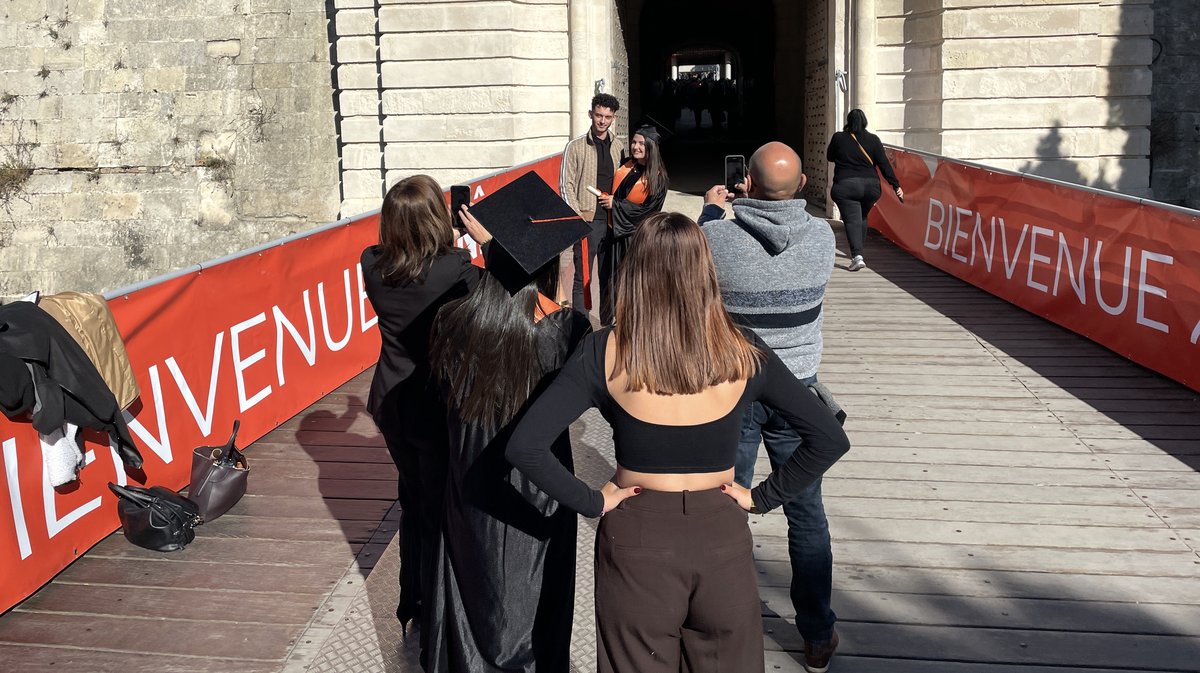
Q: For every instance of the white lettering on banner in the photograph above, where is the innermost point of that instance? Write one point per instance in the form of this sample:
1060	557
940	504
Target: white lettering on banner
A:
946	226
118	466
161	446
478	193
12	475
307	349
958	233
55	525
203	420
241	365
1145	288
1064	252
1034	258
1119	308
1196	333
931	224
1009	268
363	323
341	343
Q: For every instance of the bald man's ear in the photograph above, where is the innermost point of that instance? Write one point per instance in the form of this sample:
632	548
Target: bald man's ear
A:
803	181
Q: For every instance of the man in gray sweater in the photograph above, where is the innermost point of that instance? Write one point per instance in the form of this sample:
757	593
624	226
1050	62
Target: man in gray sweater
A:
773	262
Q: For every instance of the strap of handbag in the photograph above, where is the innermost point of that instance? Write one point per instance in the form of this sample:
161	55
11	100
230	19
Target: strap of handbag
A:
863	150
229	453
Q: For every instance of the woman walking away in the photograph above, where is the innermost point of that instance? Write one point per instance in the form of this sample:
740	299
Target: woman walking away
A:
676	587
409	275
638	191
505	584
856	154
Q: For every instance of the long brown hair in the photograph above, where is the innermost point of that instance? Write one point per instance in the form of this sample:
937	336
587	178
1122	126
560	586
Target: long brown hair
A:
673	334
414	229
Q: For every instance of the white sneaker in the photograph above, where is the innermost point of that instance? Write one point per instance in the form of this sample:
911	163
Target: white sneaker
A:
857	263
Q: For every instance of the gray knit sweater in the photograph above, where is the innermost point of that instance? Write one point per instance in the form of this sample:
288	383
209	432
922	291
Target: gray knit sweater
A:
773	262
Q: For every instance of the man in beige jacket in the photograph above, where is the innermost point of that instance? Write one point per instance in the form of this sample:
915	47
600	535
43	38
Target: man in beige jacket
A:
589	161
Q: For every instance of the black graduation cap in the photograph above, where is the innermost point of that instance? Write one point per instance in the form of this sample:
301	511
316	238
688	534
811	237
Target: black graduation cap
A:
531	225
652	129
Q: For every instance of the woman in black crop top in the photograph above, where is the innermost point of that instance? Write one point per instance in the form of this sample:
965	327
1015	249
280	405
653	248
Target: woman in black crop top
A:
674	571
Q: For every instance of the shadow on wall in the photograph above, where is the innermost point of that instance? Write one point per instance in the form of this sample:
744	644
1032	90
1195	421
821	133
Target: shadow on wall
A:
1057	162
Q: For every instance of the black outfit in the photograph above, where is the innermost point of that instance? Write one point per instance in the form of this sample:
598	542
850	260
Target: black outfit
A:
666	566
67	385
407	412
505	574
855	181
625	217
599	223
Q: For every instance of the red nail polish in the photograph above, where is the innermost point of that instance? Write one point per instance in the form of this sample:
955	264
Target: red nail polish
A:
637	489
722	487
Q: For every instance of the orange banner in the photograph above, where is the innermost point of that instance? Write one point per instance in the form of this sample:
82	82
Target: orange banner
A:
1124	273
257	338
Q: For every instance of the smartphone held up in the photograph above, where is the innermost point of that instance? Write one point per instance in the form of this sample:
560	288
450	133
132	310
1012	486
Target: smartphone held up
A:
735	171
460	195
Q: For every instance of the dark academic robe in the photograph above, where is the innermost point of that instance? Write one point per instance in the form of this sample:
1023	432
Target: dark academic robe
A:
505	581
632	203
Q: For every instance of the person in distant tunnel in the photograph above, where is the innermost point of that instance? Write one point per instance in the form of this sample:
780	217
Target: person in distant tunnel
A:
639	189
856	154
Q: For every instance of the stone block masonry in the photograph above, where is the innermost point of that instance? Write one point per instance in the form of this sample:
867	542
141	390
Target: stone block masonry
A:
1058	88
157	135
454	89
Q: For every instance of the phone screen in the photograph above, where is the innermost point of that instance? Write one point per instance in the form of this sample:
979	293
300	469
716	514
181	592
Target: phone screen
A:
735	170
460	195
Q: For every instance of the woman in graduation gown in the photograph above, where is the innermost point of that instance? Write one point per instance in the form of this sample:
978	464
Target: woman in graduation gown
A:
505	584
410	274
639	190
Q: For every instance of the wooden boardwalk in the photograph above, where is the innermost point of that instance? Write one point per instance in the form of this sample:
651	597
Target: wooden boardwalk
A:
1017	500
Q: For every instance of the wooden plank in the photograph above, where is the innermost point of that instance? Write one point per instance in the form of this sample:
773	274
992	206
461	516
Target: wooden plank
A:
256	642
986	534
322	438
239	551
41	659
319	453
979	492
308	469
1003	455
919	440
1032	559
790	662
354	489
1005	613
307	579
1010	646
234	526
967	427
1180	518
1179	447
966	474
331	509
174	603
1132	514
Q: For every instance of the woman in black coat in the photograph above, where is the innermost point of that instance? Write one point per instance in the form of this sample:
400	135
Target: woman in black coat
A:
856	154
409	275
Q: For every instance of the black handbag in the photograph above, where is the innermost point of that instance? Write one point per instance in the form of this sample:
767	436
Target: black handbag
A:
156	518
219	475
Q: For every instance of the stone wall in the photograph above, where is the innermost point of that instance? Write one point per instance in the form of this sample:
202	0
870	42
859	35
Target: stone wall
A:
1058	88
141	136
455	89
1175	119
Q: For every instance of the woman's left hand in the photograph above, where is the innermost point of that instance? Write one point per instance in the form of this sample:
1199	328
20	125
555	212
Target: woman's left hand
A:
605	200
474	228
741	494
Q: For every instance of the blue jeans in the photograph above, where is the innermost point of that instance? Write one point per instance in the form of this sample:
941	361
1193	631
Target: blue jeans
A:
808	529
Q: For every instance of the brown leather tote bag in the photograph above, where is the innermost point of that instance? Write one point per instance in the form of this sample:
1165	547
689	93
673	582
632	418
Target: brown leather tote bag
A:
219	475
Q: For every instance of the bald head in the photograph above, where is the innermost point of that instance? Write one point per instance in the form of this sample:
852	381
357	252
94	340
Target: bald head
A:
775	173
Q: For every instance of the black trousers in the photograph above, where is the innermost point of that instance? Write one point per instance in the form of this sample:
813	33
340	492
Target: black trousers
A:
676	589
594	237
854	198
413	423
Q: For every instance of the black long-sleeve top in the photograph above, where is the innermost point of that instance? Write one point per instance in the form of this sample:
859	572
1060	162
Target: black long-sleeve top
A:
672	449
850	162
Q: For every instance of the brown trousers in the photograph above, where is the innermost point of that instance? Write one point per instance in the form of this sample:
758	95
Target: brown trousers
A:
676	588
